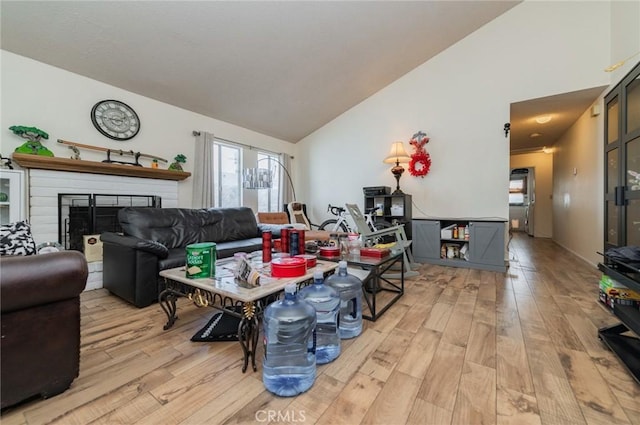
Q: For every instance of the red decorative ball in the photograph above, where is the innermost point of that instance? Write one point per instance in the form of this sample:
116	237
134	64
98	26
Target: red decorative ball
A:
420	164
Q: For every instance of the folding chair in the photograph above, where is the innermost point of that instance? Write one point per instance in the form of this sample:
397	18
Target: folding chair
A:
297	214
397	231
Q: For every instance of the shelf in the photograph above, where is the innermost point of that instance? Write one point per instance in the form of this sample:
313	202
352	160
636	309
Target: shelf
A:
630	280
625	347
402	201
454	240
454	260
629	315
94	167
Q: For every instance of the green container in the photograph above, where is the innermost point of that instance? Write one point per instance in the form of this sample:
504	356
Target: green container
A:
201	260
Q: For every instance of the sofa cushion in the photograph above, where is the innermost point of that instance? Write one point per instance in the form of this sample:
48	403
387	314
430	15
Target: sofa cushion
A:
16	239
276	229
179	227
178	256
227	249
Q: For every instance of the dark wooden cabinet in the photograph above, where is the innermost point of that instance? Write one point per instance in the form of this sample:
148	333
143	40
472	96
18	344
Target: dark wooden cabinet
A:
395	209
622	162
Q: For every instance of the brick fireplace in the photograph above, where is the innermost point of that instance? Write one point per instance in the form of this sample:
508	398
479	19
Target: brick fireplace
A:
45	186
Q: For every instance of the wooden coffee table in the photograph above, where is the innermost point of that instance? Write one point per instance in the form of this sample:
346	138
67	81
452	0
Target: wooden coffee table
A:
225	293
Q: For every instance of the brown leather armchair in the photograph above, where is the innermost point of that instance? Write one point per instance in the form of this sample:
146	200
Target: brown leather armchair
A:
40	321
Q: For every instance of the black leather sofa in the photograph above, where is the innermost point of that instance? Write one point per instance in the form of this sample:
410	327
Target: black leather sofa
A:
155	239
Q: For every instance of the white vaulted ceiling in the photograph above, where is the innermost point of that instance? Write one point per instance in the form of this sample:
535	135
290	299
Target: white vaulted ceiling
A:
283	69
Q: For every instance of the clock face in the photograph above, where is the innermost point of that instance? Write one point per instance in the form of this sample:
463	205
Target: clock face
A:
115	119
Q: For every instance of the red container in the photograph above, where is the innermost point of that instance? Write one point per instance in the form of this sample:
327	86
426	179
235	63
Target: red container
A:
266	246
329	251
310	259
374	252
288	267
284	240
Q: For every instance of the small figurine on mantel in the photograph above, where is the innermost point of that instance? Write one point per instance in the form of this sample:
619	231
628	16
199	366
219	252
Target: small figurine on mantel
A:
5	163
32	146
179	159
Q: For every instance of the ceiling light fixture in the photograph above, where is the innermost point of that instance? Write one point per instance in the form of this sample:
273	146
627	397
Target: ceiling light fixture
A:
534	135
547	150
615	66
543	119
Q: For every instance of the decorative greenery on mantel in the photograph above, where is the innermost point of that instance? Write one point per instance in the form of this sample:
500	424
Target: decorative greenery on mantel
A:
94	167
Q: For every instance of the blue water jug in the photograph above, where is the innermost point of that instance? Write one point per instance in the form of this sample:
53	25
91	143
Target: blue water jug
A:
326	302
289	365
350	289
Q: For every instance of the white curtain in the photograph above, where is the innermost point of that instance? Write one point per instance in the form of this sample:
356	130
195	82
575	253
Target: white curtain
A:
203	171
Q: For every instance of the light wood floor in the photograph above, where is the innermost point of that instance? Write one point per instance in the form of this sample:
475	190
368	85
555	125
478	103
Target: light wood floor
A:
461	347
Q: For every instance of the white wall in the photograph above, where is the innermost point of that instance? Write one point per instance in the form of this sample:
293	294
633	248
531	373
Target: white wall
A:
461	99
578	206
625	36
542	213
59	102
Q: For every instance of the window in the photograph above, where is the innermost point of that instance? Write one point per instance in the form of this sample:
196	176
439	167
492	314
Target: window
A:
269	199
227	175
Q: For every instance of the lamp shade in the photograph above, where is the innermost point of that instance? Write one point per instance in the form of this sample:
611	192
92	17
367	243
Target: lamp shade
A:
397	154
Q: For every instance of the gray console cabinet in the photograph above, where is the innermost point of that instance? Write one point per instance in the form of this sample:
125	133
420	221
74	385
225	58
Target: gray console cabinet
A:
486	243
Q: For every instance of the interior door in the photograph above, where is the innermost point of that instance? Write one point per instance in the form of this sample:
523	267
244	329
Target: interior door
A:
531	202
522	199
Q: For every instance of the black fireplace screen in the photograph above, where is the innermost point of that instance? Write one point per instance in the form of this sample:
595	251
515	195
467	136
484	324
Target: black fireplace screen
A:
81	214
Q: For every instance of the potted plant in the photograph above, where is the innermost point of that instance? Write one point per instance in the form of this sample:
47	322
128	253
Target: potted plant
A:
179	159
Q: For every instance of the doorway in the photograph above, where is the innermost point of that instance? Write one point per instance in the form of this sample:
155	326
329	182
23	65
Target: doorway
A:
522	198
537	128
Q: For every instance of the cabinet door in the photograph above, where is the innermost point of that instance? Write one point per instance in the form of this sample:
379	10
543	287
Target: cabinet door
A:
631	143
622	163
426	239
11	196
486	242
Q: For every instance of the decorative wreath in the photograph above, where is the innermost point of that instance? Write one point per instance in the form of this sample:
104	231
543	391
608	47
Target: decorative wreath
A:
420	160
420	164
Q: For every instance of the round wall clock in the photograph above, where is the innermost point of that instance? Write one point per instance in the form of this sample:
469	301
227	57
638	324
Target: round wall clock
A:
115	119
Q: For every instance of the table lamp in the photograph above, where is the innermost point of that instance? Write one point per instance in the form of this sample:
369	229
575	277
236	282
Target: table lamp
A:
397	155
